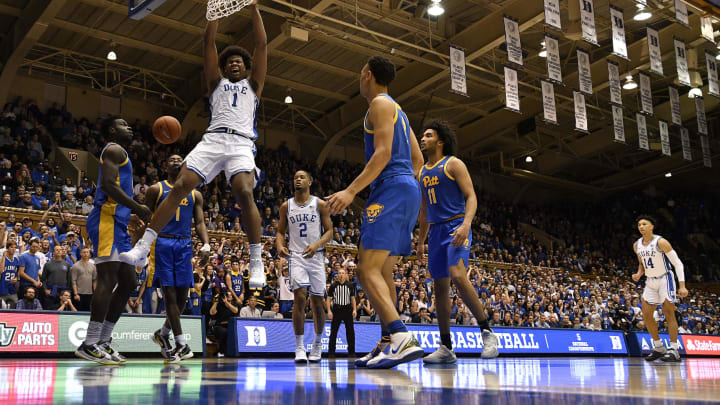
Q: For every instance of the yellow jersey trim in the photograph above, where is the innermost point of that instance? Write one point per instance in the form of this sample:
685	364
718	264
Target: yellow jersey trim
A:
445	169
436	163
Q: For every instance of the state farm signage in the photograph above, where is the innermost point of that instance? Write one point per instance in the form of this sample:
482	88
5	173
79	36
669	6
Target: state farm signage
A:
701	344
22	333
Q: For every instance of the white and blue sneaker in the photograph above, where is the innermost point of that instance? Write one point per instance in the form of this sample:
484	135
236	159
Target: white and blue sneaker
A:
363	361
137	256
257	274
403	348
490	343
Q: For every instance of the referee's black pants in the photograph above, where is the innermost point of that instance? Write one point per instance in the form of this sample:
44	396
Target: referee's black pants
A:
342	313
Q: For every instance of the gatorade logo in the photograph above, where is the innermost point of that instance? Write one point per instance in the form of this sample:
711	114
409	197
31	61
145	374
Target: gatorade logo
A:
256	336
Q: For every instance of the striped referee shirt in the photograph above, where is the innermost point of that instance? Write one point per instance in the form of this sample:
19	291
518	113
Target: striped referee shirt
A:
341	293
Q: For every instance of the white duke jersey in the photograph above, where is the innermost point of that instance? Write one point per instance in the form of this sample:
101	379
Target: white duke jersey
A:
304	224
653	258
234	106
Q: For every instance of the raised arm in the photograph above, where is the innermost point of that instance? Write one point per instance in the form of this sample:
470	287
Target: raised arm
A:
259	63
210	56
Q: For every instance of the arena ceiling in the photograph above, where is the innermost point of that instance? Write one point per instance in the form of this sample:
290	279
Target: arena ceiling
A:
159	58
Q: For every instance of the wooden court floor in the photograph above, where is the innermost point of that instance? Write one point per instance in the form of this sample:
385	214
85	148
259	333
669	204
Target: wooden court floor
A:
277	381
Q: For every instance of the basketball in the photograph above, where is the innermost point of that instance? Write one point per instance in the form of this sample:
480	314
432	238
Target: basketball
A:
166	129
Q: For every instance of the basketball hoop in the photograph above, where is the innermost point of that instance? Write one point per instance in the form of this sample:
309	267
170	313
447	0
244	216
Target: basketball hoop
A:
217	9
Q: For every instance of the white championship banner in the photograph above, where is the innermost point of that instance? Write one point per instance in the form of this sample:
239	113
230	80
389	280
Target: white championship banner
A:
581	123
512	92
584	77
664	138
646	103
705	144
618	123
618	32
681	62
681	13
653	38
711	64
552	14
512	41
643	140
549	108
701	119
587	21
685	141
554	64
706	29
614	83
458	79
675	106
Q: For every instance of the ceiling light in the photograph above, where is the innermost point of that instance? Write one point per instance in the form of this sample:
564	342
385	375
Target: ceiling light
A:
718	56
642	15
288	99
543	51
629	83
528	159
435	10
112	55
695	92
668	174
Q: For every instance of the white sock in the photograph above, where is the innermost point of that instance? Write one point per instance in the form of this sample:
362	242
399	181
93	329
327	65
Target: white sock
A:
299	340
659	345
180	340
149	236
255	251
318	339
92	335
165	331
106	333
674	345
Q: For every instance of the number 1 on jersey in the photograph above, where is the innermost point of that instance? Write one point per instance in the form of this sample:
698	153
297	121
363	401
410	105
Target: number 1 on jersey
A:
234	100
431	196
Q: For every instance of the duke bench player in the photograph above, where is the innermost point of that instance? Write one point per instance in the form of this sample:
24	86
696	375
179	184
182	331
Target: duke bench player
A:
656	261
304	217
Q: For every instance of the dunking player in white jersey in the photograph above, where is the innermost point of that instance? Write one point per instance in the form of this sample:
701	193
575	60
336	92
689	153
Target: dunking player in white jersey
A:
306	219
657	259
227	144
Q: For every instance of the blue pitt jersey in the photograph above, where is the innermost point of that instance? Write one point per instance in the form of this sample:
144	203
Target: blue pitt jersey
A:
181	222
401	158
443	198
103	202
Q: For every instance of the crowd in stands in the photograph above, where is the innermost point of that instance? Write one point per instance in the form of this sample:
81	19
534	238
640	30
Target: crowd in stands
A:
580	280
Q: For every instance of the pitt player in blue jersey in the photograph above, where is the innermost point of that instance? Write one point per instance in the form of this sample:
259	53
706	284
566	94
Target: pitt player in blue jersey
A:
448	208
393	157
170	259
107	226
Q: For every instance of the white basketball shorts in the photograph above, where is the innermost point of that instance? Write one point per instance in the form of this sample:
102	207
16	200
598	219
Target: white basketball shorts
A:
218	152
308	273
659	289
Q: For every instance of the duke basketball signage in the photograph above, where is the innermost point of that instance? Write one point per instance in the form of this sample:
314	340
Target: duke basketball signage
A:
277	336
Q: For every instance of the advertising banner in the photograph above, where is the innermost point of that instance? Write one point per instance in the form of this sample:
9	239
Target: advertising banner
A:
703	345
642	343
64	332
277	336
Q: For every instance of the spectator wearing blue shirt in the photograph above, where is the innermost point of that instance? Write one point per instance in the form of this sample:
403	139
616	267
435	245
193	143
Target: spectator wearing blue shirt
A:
39	175
29	302
38	197
29	269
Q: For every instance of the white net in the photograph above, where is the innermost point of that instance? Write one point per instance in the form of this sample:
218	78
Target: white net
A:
217	9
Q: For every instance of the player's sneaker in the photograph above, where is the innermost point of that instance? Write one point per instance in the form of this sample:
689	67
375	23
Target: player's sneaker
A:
179	354
114	354
442	355
655	354
490	343
362	361
300	354
164	343
403	348
94	353
257	273
315	353
672	356
137	256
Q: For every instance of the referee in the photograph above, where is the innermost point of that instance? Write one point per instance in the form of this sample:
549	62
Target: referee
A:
341	301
